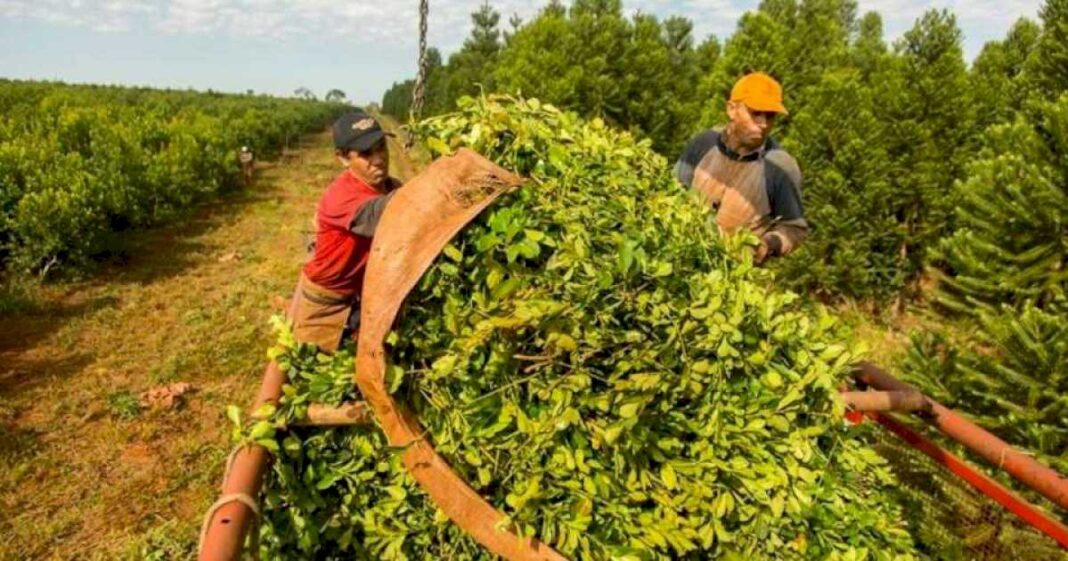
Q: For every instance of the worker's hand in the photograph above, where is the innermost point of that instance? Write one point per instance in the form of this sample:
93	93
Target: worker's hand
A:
761	253
770	246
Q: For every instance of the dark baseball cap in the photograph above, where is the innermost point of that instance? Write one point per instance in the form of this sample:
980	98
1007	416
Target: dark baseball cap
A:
357	131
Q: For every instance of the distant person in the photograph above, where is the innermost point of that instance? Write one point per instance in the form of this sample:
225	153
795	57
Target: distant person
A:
248	165
328	306
743	173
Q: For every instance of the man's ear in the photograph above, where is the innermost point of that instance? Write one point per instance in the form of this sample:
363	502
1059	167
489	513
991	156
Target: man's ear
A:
341	157
732	110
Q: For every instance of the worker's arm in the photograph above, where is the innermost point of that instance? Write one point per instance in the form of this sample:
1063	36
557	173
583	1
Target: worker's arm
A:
789	228
365	220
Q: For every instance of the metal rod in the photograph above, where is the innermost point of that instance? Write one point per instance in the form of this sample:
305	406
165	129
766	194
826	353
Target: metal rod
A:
224	537
1015	504
320	415
886	401
1024	468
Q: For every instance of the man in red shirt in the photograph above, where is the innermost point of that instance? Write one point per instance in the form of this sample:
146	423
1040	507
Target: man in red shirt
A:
327	307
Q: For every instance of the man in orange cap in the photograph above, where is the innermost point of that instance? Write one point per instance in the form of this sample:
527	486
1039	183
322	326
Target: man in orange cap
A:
743	173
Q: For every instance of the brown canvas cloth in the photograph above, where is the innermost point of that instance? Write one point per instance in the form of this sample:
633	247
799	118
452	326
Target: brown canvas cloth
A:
422	217
319	315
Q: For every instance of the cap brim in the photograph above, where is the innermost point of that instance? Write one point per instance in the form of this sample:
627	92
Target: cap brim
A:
772	107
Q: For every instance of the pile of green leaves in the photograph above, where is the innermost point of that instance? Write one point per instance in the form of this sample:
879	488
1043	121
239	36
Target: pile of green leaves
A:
596	362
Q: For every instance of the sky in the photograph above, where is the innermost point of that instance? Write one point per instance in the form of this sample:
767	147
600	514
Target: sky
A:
360	47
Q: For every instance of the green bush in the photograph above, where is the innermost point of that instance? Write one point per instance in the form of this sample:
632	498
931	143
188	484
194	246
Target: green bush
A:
80	163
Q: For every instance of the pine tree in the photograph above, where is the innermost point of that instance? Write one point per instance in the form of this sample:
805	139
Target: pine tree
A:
819	41
1012	245
647	70
636	74
537	61
1003	271
869	48
996	78
1047	65
472	66
397	99
852	251
923	98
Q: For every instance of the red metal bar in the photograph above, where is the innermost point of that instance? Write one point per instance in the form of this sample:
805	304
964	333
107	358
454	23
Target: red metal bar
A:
885	401
225	536
1025	469
1027	512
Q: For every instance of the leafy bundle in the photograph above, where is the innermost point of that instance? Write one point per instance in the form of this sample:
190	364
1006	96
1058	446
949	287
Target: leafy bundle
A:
594	360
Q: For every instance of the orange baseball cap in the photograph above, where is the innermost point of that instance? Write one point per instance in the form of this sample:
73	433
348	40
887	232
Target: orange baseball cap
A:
759	92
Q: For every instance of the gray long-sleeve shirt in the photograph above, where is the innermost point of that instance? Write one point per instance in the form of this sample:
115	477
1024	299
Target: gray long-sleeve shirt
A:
760	190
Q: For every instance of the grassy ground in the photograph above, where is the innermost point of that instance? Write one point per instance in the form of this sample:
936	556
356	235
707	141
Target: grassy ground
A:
85	473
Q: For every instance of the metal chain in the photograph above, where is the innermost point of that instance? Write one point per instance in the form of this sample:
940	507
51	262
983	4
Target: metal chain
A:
419	92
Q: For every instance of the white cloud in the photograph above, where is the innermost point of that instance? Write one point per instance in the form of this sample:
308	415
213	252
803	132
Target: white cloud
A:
972	15
109	15
717	17
394	23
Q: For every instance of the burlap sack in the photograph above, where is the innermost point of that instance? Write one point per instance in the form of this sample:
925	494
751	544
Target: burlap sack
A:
420	220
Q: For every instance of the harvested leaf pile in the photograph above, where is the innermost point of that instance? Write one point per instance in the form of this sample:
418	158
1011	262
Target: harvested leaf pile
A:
603	368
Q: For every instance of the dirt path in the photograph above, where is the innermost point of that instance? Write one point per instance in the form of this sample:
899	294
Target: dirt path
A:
86	474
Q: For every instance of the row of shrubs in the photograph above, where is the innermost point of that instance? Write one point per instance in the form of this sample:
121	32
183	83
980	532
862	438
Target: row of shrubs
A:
80	165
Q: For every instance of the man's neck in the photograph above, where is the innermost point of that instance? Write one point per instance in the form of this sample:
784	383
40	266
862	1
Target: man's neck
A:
731	141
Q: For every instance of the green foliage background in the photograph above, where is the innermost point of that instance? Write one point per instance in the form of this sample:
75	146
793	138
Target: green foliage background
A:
881	132
79	165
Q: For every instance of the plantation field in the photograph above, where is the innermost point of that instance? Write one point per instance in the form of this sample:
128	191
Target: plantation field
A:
84	472
82	166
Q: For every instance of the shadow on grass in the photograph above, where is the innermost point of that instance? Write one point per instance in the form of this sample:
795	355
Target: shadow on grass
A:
146	256
16	444
29	325
23	375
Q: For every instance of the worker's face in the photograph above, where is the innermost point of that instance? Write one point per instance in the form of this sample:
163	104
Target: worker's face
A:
749	127
373	165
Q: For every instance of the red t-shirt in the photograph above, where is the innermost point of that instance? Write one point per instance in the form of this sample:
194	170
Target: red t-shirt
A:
340	255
